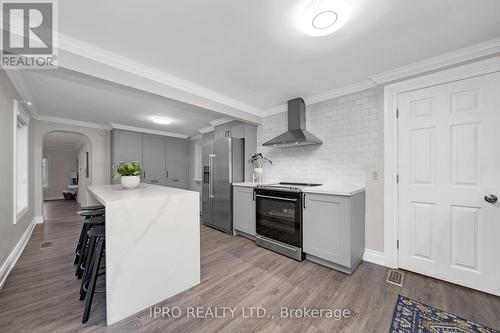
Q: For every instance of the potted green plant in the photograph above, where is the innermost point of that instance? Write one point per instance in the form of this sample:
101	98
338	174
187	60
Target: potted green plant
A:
258	161
129	173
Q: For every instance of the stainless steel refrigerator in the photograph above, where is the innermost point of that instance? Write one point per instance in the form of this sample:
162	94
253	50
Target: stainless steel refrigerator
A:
223	164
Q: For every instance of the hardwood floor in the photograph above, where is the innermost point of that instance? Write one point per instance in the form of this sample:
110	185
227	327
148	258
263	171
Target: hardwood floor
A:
41	293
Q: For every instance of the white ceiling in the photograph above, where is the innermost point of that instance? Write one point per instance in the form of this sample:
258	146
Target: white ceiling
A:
66	94
63	141
253	51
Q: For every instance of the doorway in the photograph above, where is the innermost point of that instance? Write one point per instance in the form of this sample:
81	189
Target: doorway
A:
65	167
448	162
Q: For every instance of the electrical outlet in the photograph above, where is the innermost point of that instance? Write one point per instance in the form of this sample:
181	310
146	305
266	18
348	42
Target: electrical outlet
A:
374	175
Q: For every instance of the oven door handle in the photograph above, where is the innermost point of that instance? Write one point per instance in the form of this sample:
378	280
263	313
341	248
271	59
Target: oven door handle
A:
277	198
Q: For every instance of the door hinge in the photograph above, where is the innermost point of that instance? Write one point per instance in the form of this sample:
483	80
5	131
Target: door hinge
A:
397	179
397	244
397	113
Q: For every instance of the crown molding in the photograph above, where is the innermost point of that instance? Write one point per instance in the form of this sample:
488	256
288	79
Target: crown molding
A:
148	131
112	59
220	121
72	122
206	129
342	91
196	137
477	51
22	90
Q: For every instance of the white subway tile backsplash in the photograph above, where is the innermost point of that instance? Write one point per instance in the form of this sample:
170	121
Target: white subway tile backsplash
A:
349	128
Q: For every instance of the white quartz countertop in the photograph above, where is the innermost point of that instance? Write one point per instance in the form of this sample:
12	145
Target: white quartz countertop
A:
109	193
246	184
344	189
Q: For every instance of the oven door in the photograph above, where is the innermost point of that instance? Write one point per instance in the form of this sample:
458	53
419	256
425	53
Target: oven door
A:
279	216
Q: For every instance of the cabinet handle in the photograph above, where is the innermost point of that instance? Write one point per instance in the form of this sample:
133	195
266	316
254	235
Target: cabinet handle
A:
304	201
167	173
253	195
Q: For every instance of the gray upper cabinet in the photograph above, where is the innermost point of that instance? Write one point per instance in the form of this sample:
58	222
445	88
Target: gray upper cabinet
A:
153	156
333	229
128	146
244	210
125	146
164	159
238	129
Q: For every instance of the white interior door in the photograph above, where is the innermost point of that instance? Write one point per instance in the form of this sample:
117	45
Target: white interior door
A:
448	161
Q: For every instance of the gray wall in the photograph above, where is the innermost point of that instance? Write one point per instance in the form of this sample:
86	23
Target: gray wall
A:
99	155
11	233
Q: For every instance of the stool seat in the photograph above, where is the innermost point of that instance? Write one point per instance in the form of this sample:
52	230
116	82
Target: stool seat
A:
90	213
97	231
97	207
96	220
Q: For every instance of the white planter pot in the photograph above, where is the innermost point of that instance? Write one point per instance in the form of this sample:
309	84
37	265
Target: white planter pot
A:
258	175
130	182
258	172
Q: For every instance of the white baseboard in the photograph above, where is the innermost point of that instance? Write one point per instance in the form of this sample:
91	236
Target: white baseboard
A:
374	257
38	219
16	252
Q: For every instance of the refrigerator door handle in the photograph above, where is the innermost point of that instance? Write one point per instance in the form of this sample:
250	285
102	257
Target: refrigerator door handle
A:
211	158
230	162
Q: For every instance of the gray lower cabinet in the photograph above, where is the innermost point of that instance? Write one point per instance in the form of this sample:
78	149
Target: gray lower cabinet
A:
244	211
334	230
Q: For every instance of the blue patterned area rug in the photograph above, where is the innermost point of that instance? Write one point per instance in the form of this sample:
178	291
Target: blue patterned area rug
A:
413	317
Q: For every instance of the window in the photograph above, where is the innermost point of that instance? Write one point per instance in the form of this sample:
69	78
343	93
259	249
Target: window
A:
21	167
45	172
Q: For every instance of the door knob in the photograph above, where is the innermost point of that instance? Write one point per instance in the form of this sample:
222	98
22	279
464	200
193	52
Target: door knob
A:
491	198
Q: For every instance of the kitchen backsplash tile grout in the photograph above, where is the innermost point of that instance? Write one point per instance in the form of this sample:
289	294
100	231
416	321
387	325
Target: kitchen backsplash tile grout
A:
349	128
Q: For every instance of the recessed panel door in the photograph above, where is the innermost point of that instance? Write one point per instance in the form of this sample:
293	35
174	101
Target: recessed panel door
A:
449	177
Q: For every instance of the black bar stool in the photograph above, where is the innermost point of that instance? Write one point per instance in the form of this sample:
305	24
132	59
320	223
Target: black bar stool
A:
86	212
82	256
97	236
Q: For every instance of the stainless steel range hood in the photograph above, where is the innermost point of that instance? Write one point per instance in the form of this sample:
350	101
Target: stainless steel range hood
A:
297	135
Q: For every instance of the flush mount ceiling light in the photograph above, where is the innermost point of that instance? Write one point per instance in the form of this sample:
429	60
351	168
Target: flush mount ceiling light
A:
162	121
323	17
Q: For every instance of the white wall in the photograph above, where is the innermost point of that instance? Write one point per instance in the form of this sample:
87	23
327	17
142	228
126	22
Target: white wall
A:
351	129
62	162
11	234
100	155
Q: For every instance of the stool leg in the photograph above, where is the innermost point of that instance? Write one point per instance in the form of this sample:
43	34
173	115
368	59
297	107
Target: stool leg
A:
83	251
79	244
93	280
88	266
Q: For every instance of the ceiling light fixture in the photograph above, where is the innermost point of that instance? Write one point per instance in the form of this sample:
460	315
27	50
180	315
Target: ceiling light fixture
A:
323	17
162	121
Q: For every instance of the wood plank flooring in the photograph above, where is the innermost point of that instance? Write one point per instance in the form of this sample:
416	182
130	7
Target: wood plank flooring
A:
41	293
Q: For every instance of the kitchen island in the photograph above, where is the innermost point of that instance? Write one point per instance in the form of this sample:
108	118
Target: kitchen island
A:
152	245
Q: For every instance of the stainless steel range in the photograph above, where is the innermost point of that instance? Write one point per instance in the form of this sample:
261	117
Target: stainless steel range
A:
279	217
